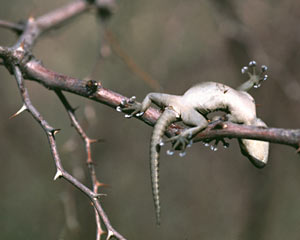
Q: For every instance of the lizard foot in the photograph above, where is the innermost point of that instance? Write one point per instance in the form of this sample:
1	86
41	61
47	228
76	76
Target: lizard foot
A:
214	147
255	77
180	142
130	105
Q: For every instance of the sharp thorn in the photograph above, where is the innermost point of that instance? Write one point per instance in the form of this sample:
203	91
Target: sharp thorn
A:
109	234
55	131
96	140
100	184
58	174
52	132
22	109
98	195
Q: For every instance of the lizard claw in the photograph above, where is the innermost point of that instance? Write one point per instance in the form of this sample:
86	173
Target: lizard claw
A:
214	147
130	105
181	141
254	76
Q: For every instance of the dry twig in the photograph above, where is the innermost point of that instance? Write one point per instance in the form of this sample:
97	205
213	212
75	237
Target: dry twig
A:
88	141
20	61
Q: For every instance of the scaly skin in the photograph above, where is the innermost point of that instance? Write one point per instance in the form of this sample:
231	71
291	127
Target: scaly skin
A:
192	108
165	119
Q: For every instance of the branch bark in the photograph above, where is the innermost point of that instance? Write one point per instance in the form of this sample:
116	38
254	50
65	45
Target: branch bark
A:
34	70
50	79
20	61
16	59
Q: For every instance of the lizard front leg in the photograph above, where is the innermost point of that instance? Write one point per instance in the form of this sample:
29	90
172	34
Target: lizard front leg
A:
138	109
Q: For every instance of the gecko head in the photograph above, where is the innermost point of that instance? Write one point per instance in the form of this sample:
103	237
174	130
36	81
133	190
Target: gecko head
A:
256	151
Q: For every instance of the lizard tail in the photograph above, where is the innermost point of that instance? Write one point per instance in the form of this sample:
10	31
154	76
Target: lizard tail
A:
165	119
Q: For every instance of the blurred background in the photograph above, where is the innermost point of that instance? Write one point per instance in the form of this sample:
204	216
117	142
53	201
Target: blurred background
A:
176	44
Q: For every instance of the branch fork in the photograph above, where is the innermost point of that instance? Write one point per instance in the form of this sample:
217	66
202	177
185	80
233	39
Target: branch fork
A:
23	65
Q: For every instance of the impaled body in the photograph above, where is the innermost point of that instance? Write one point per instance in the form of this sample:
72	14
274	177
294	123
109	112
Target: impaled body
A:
192	109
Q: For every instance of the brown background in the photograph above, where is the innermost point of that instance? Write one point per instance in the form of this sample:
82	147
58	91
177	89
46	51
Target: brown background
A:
206	195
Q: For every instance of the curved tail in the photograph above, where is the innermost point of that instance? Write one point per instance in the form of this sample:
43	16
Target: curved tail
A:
165	119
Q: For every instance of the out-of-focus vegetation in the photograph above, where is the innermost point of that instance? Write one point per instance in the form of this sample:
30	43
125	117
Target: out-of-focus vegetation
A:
205	195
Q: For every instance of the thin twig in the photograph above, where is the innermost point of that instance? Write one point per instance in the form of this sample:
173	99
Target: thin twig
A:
62	14
18	28
90	163
130	63
60	172
35	27
18	55
20	61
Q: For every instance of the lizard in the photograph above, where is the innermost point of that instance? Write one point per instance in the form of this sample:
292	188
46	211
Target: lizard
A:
192	109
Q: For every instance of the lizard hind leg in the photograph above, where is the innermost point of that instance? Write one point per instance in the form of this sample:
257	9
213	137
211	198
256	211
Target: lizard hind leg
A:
255	78
191	118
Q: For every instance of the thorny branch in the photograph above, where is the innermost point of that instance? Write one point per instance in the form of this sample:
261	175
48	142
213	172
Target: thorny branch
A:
35	71
60	172
15	59
20	61
96	184
12	26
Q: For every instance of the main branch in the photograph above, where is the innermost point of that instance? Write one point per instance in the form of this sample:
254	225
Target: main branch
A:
34	70
20	62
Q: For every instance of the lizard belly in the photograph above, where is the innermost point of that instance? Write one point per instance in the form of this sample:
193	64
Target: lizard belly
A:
210	96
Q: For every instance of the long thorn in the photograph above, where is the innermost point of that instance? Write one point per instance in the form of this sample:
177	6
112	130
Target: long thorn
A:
22	109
